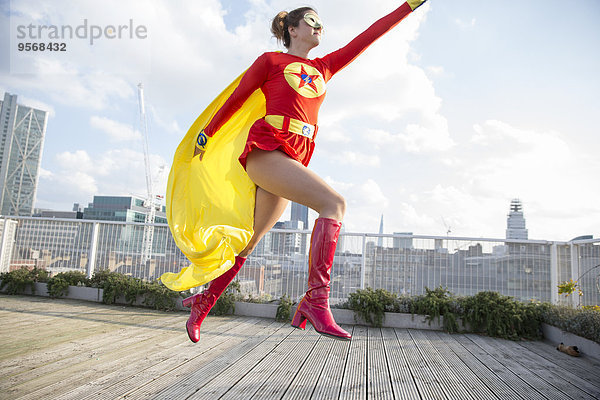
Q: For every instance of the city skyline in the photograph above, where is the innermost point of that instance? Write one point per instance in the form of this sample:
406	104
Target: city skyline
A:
440	123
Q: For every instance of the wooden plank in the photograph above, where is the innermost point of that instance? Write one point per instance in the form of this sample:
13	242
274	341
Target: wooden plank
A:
307	378
258	377
215	379
426	381
547	389
402	381
70	312
74	375
329	383
584	367
451	383
503	373
569	383
484	369
286	367
188	371
54	368
354	383
168	360
470	381
379	382
31	365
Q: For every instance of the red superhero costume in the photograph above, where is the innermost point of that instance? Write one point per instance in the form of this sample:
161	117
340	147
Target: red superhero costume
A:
294	90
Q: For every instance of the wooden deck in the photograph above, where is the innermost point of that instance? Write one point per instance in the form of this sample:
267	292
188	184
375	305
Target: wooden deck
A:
63	349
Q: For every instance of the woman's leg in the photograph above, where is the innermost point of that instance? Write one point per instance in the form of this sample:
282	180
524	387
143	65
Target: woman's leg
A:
277	173
267	211
284	177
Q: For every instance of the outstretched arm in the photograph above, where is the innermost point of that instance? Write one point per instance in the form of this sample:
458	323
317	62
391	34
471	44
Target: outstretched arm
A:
252	80
339	59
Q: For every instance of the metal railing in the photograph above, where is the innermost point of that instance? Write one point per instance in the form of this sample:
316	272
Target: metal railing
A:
402	264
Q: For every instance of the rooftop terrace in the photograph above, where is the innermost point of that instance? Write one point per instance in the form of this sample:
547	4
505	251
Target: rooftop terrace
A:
65	349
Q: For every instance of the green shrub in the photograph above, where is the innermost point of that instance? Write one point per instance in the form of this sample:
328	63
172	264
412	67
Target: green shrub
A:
100	277
58	285
225	305
154	294
486	312
39	275
284	309
371	304
438	303
502	316
18	280
160	297
584	322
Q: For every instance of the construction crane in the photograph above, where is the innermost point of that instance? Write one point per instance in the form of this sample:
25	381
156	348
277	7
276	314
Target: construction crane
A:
150	203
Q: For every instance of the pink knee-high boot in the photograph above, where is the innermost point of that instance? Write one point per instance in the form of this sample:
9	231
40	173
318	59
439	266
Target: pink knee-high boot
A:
314	306
201	303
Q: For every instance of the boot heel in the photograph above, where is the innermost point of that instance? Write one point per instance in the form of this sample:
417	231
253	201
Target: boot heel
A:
299	320
189	301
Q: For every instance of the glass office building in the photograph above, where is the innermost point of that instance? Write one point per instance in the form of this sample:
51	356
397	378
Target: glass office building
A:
22	131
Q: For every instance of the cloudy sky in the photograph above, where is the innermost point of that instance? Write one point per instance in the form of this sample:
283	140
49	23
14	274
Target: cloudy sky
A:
463	107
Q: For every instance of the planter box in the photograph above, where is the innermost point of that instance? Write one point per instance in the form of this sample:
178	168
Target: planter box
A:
75	292
391	320
588	348
84	293
41	289
255	309
343	316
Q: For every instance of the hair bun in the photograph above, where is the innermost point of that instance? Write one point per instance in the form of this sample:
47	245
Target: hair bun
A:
282	17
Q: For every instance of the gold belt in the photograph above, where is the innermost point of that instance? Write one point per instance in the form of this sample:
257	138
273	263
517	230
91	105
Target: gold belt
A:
291	125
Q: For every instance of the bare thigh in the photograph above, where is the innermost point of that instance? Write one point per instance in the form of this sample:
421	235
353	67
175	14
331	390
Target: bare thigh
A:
280	175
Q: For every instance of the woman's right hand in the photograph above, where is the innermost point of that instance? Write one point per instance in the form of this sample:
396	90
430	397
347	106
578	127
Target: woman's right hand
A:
414	4
201	142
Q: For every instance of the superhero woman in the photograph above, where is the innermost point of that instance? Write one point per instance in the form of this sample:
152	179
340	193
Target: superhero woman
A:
278	149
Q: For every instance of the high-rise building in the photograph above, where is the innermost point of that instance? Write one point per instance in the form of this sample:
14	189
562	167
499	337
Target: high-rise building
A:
288	243
515	224
401	242
300	213
22	131
380	240
121	208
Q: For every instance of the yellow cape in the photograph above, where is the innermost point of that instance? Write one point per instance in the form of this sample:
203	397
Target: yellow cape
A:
210	202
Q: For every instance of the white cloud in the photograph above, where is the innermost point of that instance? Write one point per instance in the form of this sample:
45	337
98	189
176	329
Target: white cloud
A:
77	160
116	131
355	158
365	200
503	161
465	25
116	172
430	136
436	70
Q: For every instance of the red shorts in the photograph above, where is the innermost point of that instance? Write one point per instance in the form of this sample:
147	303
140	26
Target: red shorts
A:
265	137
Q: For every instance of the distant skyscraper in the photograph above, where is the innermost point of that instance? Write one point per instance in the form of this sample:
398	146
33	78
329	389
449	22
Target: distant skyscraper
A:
403	242
300	213
22	131
121	208
515	224
380	240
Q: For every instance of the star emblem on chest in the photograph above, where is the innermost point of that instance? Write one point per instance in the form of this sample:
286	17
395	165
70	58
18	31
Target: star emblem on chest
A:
307	79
